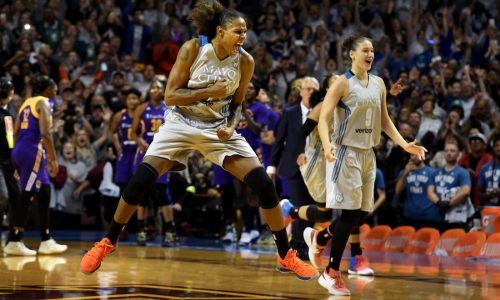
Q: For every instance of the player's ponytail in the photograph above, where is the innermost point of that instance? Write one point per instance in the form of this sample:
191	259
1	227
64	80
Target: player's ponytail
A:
207	15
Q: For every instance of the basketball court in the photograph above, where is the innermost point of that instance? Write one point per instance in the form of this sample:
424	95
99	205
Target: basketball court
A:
208	269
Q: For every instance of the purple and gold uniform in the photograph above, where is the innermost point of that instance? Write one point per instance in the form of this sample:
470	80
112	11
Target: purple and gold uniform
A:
271	123
125	162
28	154
151	120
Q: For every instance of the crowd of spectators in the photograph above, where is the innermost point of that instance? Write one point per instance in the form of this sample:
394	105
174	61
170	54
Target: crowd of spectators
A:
447	54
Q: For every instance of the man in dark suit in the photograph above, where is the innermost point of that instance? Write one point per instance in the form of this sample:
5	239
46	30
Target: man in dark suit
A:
284	156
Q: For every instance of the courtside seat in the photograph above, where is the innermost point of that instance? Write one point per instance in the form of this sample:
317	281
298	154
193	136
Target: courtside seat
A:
423	241
376	237
469	244
491	248
398	238
447	240
364	230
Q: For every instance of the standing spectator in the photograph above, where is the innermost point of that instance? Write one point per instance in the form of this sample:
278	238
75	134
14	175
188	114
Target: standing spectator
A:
137	35
164	53
148	77
412	185
64	201
50	28
429	125
474	160
488	181
449	190
281	77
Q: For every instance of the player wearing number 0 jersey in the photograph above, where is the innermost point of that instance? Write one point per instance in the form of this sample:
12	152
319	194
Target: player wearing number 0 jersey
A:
358	106
356	130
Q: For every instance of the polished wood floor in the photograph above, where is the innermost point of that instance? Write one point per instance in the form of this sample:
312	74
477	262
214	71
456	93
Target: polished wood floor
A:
206	269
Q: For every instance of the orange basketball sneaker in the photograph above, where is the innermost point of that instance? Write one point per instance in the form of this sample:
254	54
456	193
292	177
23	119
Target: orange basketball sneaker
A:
91	261
291	263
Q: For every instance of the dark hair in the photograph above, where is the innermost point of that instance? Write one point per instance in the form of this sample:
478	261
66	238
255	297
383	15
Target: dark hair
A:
207	15
495	139
316	97
352	42
39	83
5	87
133	91
326	81
156	80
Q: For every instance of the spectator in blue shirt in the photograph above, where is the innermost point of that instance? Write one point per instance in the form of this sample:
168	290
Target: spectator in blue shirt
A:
418	210
450	189
488	181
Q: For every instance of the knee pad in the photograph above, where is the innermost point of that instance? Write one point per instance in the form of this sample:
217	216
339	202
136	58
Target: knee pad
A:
139	184
316	215
263	186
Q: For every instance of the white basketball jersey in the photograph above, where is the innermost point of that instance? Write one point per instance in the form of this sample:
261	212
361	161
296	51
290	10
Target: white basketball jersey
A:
205	71
357	117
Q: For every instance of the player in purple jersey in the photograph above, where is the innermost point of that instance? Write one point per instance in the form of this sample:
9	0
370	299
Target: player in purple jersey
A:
33	140
147	120
252	123
125	145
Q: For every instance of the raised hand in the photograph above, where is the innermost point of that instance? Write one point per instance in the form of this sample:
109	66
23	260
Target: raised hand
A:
397	87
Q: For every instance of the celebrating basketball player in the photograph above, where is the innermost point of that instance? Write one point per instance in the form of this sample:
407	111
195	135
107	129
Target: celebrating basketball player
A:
359	102
206	88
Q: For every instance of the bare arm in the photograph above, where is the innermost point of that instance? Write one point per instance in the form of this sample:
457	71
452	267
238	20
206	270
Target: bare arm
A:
247	66
332	98
105	136
114	131
380	200
401	184
136	122
17	125
431	194
43	109
314	114
391	130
